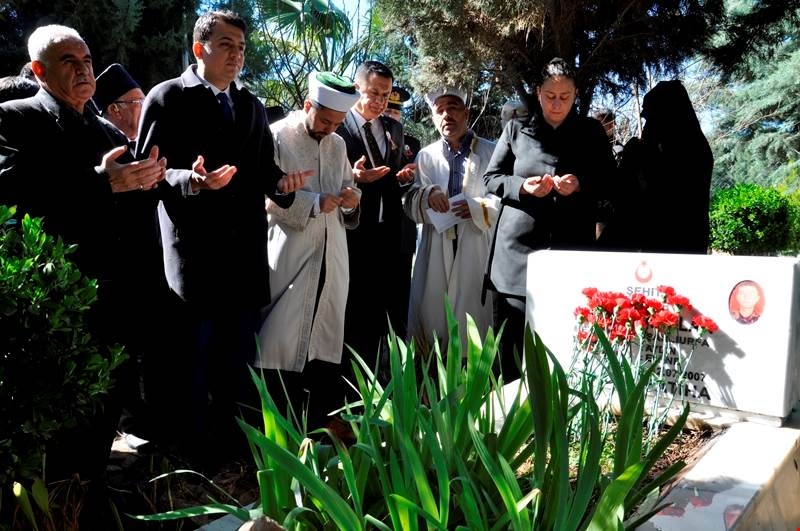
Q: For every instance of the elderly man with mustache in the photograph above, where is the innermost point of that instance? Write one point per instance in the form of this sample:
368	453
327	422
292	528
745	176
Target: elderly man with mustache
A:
60	161
450	261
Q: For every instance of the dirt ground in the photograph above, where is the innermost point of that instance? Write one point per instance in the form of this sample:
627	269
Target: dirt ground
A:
134	488
690	446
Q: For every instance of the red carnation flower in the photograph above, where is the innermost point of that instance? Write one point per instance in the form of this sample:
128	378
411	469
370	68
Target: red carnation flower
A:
664	319
705	323
680	301
666	290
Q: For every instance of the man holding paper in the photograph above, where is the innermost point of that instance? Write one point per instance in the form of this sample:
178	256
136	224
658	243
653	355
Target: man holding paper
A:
449	198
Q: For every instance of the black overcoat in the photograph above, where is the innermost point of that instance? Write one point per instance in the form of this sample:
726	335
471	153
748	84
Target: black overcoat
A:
214	242
526	223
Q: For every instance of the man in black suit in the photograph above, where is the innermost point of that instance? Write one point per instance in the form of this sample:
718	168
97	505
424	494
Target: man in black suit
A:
408	236
214	227
374	247
60	161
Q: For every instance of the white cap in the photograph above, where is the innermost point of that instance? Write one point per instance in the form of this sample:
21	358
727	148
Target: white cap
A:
332	91
434	95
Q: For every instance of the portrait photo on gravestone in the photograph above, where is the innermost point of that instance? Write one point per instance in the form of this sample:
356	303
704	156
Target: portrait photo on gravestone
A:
746	302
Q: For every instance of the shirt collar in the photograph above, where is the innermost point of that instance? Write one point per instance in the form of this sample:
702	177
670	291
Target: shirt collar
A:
360	120
378	130
205	83
464	147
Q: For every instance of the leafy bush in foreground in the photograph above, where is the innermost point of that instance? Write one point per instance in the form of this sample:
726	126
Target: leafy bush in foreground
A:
52	372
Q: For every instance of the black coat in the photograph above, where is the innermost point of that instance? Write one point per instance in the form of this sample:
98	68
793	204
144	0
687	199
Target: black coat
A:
664	179
215	252
48	167
49	158
526	223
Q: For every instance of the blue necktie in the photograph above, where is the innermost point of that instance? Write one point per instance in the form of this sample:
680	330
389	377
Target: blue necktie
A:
225	105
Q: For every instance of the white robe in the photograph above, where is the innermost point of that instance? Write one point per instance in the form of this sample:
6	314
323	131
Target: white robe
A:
439	271
298	243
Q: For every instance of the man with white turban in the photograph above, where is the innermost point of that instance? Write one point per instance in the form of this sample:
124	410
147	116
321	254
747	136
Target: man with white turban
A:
307	249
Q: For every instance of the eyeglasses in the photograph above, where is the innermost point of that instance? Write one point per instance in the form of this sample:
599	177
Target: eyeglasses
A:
137	101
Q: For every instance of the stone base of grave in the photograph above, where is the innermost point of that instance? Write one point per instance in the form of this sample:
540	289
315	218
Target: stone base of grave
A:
749	479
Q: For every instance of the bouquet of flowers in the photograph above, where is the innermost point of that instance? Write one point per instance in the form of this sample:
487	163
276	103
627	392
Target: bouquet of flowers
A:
643	331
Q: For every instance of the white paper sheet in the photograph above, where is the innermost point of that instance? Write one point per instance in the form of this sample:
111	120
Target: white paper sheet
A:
444	220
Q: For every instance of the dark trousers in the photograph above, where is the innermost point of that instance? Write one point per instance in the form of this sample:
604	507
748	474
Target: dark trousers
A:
134	313
226	346
315	392
84	448
509	309
372	306
209	380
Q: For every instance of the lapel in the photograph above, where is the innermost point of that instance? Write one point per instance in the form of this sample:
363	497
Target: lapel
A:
352	137
242	110
52	106
392	138
98	127
351	125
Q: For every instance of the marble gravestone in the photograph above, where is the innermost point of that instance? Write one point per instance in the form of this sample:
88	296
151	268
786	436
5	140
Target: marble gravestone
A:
750	368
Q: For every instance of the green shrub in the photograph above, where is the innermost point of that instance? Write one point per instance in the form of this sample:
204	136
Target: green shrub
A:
52	372
748	219
793	247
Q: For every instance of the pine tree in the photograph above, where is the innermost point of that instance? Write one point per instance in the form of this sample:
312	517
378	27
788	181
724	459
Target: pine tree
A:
757	137
753	31
757	110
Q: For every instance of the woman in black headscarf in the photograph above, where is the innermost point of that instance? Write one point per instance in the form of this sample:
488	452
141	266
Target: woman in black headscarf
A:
665	179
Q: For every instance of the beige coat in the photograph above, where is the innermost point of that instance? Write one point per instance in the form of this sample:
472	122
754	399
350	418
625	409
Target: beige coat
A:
438	271
304	322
